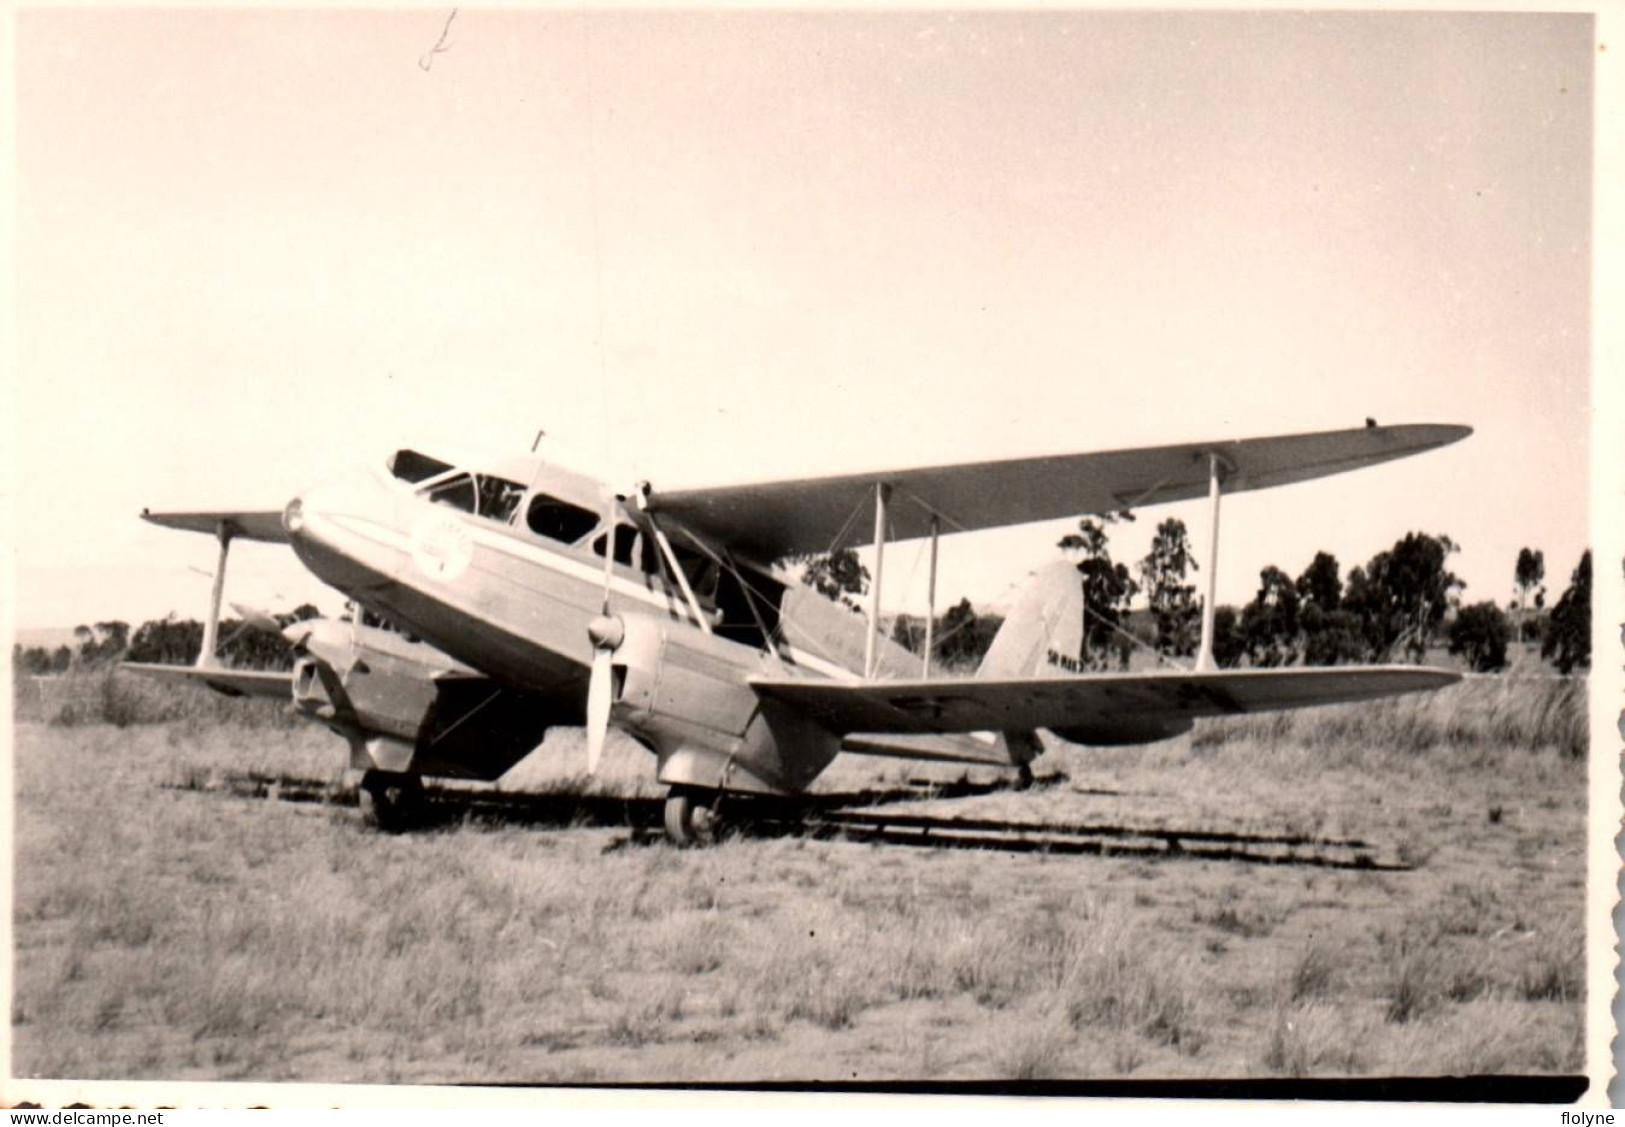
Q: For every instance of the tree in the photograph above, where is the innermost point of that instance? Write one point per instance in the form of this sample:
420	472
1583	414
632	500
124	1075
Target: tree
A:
1528	576
1173	601
1330	635
166	641
1229	644
1480	633
955	635
1402	594
1269	624
836	575
1107	590
1568	634
1320	585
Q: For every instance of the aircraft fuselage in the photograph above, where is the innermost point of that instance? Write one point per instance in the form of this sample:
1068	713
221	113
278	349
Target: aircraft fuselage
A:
516	607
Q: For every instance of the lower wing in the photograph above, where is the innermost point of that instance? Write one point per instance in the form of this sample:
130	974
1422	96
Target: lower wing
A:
232	682
1100	707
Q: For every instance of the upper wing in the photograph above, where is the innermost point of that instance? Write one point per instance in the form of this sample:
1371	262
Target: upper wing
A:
774	519
265	526
232	682
1117	705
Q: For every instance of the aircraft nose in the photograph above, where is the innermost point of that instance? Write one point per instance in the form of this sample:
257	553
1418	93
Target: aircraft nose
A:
344	531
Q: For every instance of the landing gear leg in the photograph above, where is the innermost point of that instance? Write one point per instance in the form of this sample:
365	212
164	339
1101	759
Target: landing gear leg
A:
392	801
691	816
1024	777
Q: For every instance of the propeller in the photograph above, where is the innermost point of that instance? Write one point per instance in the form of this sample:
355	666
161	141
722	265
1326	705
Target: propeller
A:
257	618
606	632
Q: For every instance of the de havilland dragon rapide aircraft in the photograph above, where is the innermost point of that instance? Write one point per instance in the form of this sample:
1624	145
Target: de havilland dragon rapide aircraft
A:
526	595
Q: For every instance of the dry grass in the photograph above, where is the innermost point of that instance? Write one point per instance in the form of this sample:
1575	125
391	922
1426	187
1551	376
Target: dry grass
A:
176	934
103	695
1477	717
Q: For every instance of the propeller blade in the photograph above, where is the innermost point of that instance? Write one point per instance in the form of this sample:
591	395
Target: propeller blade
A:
605	633
258	619
598	703
609	548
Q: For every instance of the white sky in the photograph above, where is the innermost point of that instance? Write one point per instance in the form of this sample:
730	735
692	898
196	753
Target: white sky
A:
254	248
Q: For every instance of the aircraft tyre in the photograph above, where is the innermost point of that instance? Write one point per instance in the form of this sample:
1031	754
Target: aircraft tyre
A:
392	801
1024	777
691	817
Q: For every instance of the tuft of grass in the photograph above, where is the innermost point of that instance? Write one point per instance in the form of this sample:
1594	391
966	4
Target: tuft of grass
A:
1414	984
1115	979
1033	1050
647	1022
1313	974
1312	1040
1236	921
1556	972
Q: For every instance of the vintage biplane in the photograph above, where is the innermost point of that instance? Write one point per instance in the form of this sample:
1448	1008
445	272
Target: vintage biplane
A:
525	595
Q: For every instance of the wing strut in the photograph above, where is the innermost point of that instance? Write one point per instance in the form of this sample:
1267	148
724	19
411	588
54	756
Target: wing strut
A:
1217	467
694	608
206	658
882	495
931	601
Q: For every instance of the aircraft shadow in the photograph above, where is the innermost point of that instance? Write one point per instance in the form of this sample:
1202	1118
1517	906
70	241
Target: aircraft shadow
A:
858	816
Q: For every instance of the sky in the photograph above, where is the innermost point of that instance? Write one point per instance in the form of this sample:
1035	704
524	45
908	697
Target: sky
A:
255	249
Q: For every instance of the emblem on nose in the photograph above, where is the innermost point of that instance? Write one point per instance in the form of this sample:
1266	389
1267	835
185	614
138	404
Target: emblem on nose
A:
441	546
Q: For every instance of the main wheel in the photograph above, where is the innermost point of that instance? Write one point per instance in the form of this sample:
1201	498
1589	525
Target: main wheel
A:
691	817
392	801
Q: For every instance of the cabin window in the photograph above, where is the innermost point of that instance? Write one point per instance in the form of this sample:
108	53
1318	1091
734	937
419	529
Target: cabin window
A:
456	491
409	465
499	498
626	543
559	520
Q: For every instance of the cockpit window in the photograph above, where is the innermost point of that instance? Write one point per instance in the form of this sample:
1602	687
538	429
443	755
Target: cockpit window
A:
495	498
409	465
499	498
559	520
456	491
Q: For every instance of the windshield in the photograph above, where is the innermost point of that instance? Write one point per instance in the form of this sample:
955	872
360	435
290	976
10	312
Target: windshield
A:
485	495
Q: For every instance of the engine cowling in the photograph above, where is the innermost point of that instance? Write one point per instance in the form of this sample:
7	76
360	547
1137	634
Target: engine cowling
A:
689	701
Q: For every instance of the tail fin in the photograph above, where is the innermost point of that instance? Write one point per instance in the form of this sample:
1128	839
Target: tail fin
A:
1044	631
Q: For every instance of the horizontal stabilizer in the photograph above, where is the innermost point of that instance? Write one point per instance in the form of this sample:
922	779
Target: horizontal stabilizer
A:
266	526
232	682
934	749
1152	702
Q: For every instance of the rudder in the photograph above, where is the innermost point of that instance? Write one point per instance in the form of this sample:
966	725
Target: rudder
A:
1044	630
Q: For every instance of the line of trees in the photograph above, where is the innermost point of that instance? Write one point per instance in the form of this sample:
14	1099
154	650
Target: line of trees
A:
1403	601
168	641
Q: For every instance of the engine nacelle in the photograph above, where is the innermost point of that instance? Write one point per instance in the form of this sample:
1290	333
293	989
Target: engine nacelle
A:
690	703
405	706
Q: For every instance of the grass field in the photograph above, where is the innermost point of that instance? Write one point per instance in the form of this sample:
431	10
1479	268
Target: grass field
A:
167	930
